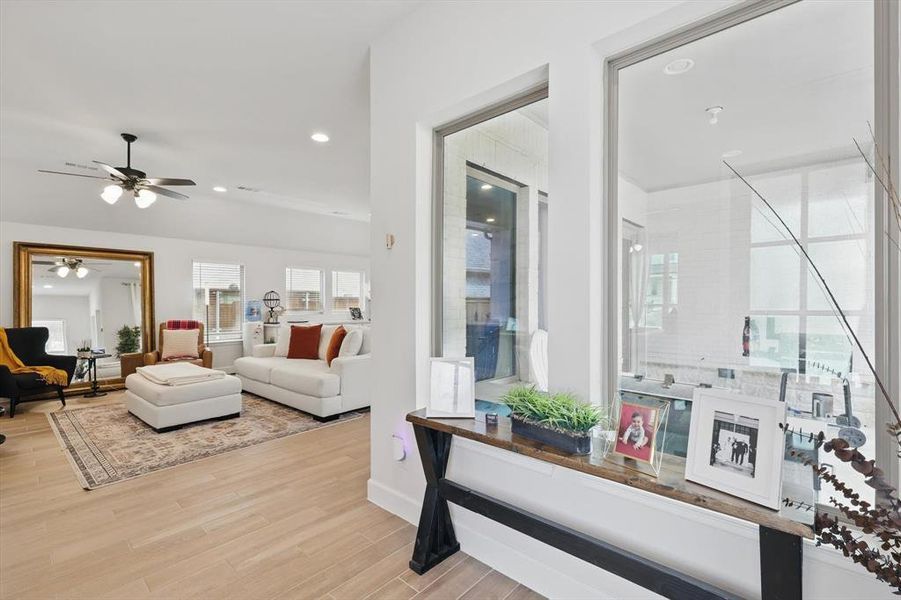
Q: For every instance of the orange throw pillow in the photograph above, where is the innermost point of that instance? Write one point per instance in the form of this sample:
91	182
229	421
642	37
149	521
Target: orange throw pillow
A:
304	341
334	345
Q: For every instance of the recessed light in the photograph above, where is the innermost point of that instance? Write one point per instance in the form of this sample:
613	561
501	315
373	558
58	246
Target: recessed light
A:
679	66
47	286
487	186
489	220
731	153
137	264
219	188
319	137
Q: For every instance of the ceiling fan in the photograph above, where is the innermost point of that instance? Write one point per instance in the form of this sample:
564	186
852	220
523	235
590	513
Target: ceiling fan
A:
65	265
145	190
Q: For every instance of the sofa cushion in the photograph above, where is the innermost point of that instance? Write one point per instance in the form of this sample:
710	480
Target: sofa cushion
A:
327	332
352	343
258	369
283	339
179	343
334	345
310	377
304	341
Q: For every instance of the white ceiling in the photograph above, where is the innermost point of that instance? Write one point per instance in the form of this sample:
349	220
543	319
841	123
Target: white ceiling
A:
225	94
796	85
72	285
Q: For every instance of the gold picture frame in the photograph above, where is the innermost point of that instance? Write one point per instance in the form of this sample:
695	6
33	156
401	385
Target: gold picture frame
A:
23	254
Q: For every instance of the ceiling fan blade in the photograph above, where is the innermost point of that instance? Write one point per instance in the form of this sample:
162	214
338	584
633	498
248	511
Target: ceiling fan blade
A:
73	174
111	170
168	181
164	192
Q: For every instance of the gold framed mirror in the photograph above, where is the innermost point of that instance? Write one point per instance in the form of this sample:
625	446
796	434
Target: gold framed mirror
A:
99	299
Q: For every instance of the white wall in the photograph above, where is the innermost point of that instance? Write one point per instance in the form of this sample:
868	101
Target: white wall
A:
72	309
421	77
264	267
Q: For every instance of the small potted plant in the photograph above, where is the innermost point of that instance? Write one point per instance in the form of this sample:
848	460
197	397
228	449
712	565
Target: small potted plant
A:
560	420
84	349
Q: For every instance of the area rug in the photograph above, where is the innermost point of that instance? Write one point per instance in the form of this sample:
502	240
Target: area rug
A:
107	444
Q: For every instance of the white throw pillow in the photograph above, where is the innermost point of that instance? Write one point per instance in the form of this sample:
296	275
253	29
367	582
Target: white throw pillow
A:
179	343
283	340
324	338
352	343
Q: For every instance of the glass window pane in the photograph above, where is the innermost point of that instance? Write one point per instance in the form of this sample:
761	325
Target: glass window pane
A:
775	278
847	268
219	299
347	289
495	246
303	290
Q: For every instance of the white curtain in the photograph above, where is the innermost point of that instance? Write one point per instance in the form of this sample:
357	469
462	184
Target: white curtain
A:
638	286
134	291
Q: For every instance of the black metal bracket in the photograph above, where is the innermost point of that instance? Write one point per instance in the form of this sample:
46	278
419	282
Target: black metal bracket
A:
780	553
781	559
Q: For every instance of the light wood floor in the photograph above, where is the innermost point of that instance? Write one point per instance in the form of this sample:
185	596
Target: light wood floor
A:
283	519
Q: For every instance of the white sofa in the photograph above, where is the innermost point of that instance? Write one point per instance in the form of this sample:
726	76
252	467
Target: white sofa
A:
309	385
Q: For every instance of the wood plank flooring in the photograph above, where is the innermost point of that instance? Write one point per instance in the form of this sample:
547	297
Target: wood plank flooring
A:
283	519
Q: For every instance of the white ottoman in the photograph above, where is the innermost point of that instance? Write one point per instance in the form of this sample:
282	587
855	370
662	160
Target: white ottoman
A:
167	407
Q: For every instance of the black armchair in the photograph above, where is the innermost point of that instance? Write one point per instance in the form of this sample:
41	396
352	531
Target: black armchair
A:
29	344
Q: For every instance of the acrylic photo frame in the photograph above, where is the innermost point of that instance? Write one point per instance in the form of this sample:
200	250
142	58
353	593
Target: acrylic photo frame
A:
451	388
652	417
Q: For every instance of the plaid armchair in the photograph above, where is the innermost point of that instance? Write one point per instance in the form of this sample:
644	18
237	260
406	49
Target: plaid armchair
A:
205	354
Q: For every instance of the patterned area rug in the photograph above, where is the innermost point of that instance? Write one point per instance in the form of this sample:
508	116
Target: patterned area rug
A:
107	444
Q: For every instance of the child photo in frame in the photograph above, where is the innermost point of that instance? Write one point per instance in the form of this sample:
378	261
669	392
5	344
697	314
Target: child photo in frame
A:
636	431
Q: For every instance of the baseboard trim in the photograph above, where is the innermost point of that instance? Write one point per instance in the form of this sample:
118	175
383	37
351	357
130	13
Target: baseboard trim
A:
501	557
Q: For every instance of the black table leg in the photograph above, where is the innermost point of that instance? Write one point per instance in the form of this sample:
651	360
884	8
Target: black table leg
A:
435	538
781	556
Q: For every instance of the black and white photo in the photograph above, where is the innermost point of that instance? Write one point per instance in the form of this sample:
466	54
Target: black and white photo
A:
733	445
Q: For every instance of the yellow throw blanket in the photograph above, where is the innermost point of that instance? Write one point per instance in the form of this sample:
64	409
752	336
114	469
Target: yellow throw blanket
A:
8	358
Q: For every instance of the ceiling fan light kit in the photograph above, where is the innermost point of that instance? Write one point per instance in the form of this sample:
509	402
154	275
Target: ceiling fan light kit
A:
145	191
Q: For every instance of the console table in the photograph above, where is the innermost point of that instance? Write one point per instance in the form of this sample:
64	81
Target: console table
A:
780	536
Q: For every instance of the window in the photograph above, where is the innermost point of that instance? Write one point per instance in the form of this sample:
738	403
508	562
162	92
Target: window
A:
491	218
303	289
57	328
219	300
347	290
714	291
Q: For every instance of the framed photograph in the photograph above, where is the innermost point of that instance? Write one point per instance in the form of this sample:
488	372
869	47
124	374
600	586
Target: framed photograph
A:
636	432
735	445
452	388
253	311
355	313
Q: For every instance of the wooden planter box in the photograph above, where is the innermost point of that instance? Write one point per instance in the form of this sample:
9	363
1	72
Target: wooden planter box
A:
571	442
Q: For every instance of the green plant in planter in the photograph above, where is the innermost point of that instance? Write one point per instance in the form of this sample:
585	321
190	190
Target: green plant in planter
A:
129	340
561	410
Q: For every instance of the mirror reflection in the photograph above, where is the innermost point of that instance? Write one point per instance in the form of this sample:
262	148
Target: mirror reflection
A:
92	308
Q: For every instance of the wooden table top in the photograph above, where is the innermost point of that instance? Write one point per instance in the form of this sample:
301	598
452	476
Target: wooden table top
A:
670	483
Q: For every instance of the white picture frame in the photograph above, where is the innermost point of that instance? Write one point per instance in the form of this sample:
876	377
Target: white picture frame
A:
452	387
735	445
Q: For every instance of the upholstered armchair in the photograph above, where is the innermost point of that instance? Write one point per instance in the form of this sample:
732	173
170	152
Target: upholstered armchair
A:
205	355
29	345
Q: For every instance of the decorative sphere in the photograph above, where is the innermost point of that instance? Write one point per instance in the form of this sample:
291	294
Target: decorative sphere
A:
271	299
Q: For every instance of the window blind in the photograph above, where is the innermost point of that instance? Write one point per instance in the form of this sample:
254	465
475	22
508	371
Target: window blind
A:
346	289
303	289
219	300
